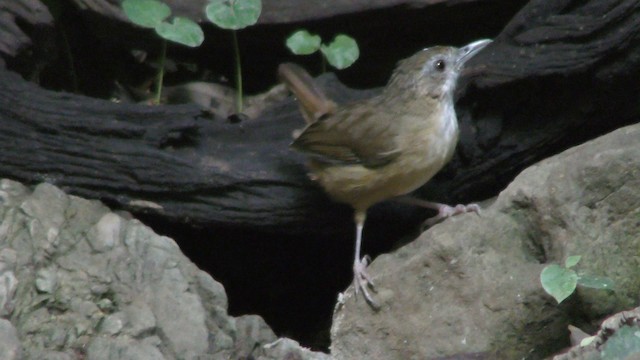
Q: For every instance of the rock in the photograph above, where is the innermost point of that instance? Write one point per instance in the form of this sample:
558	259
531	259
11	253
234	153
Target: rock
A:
289	349
122	348
253	332
8	281
79	281
257	341
9	342
597	345
107	233
470	285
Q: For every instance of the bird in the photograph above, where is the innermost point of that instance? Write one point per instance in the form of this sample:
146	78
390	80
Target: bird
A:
384	147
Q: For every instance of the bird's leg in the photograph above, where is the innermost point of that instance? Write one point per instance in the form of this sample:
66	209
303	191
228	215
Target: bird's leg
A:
444	211
361	279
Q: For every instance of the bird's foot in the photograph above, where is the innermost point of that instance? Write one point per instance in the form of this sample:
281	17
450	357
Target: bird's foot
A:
362	281
445	211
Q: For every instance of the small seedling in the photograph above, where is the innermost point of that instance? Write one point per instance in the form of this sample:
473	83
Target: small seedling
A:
341	53
154	14
234	15
302	42
561	281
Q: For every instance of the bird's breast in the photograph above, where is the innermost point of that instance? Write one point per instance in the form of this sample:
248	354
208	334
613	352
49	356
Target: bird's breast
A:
428	149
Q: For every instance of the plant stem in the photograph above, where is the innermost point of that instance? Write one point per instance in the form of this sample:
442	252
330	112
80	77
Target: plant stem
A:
236	50
323	62
160	77
72	68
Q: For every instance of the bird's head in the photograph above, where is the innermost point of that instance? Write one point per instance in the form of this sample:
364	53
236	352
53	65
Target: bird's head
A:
433	71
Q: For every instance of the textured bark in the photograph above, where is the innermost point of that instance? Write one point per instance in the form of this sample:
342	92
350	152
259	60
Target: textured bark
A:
273	11
196	169
567	37
31	12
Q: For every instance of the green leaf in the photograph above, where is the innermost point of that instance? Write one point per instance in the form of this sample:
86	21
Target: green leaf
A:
558	281
146	13
572	261
182	30
588	340
302	42
622	344
233	14
595	282
342	52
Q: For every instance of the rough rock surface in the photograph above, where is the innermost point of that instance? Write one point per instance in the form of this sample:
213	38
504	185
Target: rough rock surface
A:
80	282
471	285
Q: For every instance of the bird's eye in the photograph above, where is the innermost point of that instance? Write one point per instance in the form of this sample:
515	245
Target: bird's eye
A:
440	65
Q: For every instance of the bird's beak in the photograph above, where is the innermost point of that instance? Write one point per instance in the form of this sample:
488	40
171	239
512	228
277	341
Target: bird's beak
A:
468	51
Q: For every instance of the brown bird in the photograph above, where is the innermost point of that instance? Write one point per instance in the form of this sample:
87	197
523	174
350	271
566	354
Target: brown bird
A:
387	146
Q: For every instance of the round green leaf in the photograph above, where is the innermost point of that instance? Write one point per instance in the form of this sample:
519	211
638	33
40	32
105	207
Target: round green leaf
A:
595	282
182	30
302	42
146	13
234	14
572	261
558	281
342	52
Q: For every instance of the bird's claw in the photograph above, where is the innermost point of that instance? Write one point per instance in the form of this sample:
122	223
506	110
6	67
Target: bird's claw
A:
446	211
362	280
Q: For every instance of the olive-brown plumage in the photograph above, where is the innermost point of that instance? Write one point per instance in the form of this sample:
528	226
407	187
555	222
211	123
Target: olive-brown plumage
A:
389	145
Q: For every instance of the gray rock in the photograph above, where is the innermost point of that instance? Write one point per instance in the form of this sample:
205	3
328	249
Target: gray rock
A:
46	280
470	285
252	332
106	233
289	349
180	315
9	342
78	281
594	346
112	324
56	355
122	349
140	318
8	280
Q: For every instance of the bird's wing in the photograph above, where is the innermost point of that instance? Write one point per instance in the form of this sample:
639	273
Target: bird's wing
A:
355	134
